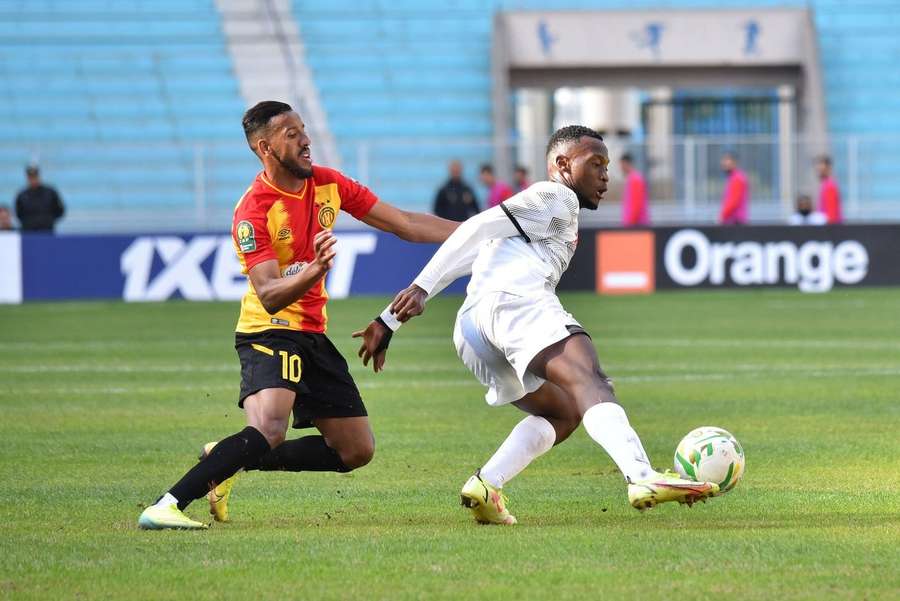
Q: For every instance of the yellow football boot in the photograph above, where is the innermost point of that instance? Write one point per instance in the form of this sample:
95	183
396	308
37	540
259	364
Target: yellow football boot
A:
218	496
668	487
488	504
162	517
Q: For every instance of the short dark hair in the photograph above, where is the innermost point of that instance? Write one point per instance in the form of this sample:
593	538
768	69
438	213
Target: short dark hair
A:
569	134
487	168
257	117
522	168
627	157
824	158
32	169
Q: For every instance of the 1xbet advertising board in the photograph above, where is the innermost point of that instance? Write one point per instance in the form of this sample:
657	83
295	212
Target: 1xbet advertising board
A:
192	267
204	267
812	259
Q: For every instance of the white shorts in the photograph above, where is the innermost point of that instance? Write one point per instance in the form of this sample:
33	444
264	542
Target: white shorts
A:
498	336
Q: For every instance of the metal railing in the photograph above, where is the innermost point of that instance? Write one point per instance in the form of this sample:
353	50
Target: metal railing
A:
193	187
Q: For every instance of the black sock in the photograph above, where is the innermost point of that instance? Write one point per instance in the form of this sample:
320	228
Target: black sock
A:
227	457
307	454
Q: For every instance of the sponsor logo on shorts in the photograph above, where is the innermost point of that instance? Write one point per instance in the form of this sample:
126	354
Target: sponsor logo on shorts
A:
246	237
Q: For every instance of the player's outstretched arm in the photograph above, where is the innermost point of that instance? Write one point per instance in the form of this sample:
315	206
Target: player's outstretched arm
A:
409	302
375	340
377	335
453	260
409	226
276	292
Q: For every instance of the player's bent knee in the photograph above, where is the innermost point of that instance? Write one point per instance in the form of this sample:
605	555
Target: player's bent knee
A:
358	454
275	439
607	391
274	433
565	426
357	457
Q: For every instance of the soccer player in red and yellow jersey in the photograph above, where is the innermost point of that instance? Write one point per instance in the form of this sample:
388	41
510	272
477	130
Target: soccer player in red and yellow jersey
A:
282	236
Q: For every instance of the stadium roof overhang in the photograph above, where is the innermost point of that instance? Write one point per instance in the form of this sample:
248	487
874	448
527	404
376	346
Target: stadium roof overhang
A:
670	48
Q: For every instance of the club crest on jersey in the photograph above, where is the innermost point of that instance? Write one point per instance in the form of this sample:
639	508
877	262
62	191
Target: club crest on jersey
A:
246	237
327	216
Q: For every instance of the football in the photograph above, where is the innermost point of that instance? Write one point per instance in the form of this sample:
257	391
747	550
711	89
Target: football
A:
710	454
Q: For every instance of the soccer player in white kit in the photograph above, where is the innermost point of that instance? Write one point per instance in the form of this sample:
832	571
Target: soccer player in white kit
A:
518	340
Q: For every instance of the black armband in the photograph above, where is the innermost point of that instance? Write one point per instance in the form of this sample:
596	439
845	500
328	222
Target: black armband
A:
386	340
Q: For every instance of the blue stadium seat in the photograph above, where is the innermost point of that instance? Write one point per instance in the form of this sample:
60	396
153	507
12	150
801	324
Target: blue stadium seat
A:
421	71
113	98
93	83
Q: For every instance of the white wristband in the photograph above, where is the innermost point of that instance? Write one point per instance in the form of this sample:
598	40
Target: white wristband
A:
389	320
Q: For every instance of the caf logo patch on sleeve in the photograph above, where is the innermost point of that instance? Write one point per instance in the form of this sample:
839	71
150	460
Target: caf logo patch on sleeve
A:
246	238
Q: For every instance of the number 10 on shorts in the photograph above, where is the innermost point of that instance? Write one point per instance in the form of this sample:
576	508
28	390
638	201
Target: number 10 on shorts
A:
290	366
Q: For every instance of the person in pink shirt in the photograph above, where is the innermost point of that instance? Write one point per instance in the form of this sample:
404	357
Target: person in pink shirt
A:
635	208
829	195
736	195
497	190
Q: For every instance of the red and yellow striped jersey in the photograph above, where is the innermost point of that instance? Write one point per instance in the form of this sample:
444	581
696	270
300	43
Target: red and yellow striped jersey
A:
270	223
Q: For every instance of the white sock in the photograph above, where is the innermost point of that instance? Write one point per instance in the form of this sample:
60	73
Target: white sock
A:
608	425
531	438
166	500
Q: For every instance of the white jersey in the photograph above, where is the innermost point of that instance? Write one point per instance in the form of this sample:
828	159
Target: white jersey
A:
545	216
516	253
522	246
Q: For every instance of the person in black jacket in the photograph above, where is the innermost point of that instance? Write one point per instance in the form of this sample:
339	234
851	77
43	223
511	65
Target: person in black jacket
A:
455	200
38	207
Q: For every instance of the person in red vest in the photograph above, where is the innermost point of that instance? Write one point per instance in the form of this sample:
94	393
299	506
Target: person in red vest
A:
829	195
736	195
635	208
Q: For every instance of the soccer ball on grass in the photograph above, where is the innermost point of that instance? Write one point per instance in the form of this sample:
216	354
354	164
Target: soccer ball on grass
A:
710	454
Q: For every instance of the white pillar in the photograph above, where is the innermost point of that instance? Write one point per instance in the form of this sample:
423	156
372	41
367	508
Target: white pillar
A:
787	149
659	135
534	123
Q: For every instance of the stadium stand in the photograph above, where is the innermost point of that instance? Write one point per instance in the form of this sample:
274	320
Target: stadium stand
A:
112	98
421	71
121	101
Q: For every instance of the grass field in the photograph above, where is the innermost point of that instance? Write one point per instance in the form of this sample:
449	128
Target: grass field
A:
104	405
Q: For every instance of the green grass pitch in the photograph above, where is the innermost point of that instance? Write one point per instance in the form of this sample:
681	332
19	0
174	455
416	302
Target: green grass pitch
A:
104	405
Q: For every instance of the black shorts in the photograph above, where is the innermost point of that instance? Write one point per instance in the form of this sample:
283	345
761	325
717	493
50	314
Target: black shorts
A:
305	363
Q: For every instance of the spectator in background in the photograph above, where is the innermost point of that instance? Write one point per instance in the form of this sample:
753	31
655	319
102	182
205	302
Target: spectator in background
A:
6	223
804	215
829	195
455	200
521	178
635	208
736	195
497	190
38	207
